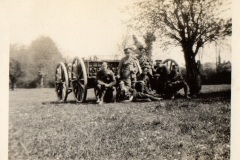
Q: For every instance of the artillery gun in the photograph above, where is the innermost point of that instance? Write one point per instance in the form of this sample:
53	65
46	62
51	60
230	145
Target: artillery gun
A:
79	76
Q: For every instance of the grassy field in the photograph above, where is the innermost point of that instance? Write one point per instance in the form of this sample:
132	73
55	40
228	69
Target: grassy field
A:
41	128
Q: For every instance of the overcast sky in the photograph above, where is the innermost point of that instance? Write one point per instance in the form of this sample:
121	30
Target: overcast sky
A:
81	27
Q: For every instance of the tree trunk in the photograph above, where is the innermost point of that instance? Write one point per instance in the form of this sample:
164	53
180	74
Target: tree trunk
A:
12	83
193	73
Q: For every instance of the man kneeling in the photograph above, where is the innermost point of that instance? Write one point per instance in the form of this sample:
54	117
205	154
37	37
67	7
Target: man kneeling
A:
143	84
105	80
177	82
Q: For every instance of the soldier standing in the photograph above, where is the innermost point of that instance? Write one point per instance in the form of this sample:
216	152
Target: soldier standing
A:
105	80
145	60
128	68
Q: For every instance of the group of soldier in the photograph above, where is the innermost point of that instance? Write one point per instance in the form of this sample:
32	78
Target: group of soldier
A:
138	80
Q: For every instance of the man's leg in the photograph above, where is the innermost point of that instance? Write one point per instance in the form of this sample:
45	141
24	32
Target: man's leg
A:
127	82
133	79
97	90
103	92
185	86
140	95
108	96
169	91
100	92
139	87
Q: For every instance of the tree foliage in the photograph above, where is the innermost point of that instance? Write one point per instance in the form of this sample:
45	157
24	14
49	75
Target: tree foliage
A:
182	22
42	54
187	23
46	56
149	38
15	72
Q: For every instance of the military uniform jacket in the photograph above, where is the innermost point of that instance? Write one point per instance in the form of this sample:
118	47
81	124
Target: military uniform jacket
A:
175	76
146	81
144	60
127	66
105	76
164	73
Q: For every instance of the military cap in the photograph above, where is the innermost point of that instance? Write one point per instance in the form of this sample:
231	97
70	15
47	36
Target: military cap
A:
146	66
121	82
158	61
142	48
128	48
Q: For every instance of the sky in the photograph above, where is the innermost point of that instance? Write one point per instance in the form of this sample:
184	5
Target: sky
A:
82	27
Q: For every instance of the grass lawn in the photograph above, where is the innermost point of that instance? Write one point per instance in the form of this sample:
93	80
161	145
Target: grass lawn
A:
41	128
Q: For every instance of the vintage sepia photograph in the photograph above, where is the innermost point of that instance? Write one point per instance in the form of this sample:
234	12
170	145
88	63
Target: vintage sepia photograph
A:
114	80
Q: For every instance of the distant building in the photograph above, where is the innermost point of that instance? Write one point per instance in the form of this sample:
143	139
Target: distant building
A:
104	57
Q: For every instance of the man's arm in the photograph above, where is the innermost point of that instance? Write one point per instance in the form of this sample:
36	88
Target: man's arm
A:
113	80
98	79
138	66
149	84
173	76
120	67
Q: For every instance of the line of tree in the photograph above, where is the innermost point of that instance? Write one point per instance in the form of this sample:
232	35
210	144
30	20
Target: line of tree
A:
26	63
212	74
189	24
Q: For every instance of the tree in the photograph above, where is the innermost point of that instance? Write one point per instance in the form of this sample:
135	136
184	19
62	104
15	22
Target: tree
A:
149	38
46	56
36	60
123	43
187	23
15	72
137	44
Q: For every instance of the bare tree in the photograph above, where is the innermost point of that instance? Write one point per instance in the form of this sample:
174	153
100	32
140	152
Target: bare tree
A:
187	23
123	43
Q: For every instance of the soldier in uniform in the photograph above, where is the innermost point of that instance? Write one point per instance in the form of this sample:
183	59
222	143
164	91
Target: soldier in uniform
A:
105	80
143	84
127	94
162	77
145	60
177	82
128	68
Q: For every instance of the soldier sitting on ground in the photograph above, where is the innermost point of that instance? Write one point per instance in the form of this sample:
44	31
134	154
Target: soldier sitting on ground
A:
127	94
105	80
143	84
177	82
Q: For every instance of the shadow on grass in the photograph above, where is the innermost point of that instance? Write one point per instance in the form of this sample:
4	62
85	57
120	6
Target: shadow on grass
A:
207	97
215	96
87	102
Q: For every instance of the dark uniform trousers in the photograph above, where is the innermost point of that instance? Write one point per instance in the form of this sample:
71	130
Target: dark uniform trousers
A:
100	90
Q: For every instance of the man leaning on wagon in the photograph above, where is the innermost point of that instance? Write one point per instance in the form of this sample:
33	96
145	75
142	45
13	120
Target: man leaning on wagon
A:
105	80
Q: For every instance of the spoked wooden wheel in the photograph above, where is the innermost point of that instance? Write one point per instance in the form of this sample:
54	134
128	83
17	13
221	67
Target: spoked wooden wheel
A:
79	80
61	82
169	63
